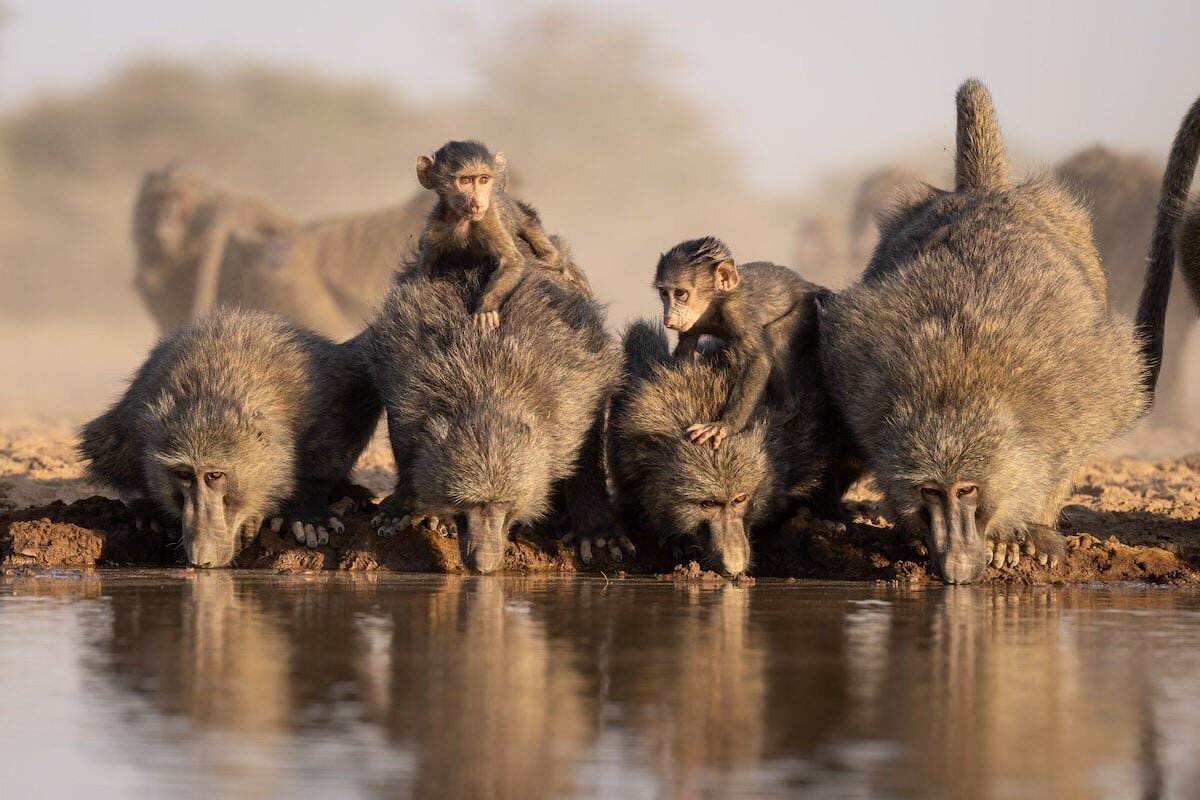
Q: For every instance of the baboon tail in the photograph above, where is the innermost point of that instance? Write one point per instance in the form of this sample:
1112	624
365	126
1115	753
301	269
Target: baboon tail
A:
1152	307
645	348
980	164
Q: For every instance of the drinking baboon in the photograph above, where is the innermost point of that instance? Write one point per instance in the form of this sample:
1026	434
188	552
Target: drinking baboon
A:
762	311
702	502
199	246
976	362
236	418
485	425
1176	228
475	218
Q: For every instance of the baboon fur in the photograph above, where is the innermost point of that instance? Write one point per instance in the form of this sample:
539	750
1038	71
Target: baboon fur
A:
1175	234
978	346
487	426
281	411
328	274
660	479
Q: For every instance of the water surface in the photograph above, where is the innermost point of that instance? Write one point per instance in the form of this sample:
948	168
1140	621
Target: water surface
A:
237	684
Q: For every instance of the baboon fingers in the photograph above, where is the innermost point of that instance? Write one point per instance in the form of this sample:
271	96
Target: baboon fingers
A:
585	550
627	546
276	524
336	525
343	507
298	531
486	320
156	526
1014	554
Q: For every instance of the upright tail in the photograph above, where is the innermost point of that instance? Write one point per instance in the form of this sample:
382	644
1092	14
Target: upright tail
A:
1177	179
980	163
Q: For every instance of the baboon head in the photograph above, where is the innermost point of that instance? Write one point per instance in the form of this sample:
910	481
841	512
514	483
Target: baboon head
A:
690	276
219	468
955	476
165	211
488	471
464	174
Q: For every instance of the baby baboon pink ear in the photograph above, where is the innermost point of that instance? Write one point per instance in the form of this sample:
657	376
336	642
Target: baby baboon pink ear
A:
500	161
425	172
727	277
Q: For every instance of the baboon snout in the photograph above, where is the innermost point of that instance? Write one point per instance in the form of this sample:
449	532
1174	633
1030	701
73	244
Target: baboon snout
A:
482	537
961	567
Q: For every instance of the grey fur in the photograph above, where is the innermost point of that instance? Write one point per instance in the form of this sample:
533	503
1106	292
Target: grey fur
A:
485	426
978	348
661	479
284	412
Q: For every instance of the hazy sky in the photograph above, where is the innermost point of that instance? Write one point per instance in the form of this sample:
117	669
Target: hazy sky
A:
800	88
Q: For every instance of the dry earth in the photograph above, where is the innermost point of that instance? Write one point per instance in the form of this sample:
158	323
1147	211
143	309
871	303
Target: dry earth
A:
1130	519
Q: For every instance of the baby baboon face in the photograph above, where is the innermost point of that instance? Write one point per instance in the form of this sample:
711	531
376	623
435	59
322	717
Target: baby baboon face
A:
464	175
207	502
955	532
690	276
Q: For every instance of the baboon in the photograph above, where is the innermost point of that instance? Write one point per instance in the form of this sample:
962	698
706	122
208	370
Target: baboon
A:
1176	228
182	224
1121	191
757	309
487	426
199	246
475	218
236	418
976	362
703	502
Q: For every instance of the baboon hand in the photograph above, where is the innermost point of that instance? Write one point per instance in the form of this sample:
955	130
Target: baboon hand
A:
701	432
486	320
148	516
389	524
310	531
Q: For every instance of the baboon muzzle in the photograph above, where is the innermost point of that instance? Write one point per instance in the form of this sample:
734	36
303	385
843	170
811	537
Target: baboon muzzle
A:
956	542
730	544
482	536
207	537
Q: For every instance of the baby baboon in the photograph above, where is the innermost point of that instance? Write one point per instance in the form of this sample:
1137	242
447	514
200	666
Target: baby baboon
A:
976	362
1175	226
238	418
182	225
474	218
756	310
200	246
700	501
486	426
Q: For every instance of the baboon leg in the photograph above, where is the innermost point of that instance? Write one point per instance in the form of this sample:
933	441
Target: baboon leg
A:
588	505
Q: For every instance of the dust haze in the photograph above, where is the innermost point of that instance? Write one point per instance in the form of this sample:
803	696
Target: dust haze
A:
617	162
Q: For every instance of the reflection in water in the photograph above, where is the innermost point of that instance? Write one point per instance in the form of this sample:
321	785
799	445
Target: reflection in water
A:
231	684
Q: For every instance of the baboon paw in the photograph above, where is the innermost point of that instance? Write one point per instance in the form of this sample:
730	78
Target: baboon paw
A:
486	320
386	525
703	432
585	550
1045	545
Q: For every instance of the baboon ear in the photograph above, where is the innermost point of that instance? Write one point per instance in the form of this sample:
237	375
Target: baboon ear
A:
500	161
425	172
726	276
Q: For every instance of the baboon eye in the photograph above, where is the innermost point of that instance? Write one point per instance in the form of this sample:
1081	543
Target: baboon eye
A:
463	180
741	498
709	504
931	492
183	474
214	476
681	294
484	179
968	491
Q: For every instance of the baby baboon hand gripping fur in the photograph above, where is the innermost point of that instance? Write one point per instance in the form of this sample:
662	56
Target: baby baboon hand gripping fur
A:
474	217
703	502
756	310
494	429
238	418
976	362
1176	229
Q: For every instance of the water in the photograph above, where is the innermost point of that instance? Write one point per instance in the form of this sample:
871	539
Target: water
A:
234	684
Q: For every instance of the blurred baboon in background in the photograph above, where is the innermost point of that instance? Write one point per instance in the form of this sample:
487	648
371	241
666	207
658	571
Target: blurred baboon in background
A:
200	245
876	192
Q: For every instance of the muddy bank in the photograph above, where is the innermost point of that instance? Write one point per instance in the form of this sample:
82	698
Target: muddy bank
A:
97	531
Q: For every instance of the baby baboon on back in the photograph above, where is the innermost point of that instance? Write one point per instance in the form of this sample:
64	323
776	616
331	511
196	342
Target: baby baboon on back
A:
182	225
234	419
703	502
487	426
976	362
1176	228
756	310
475	218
